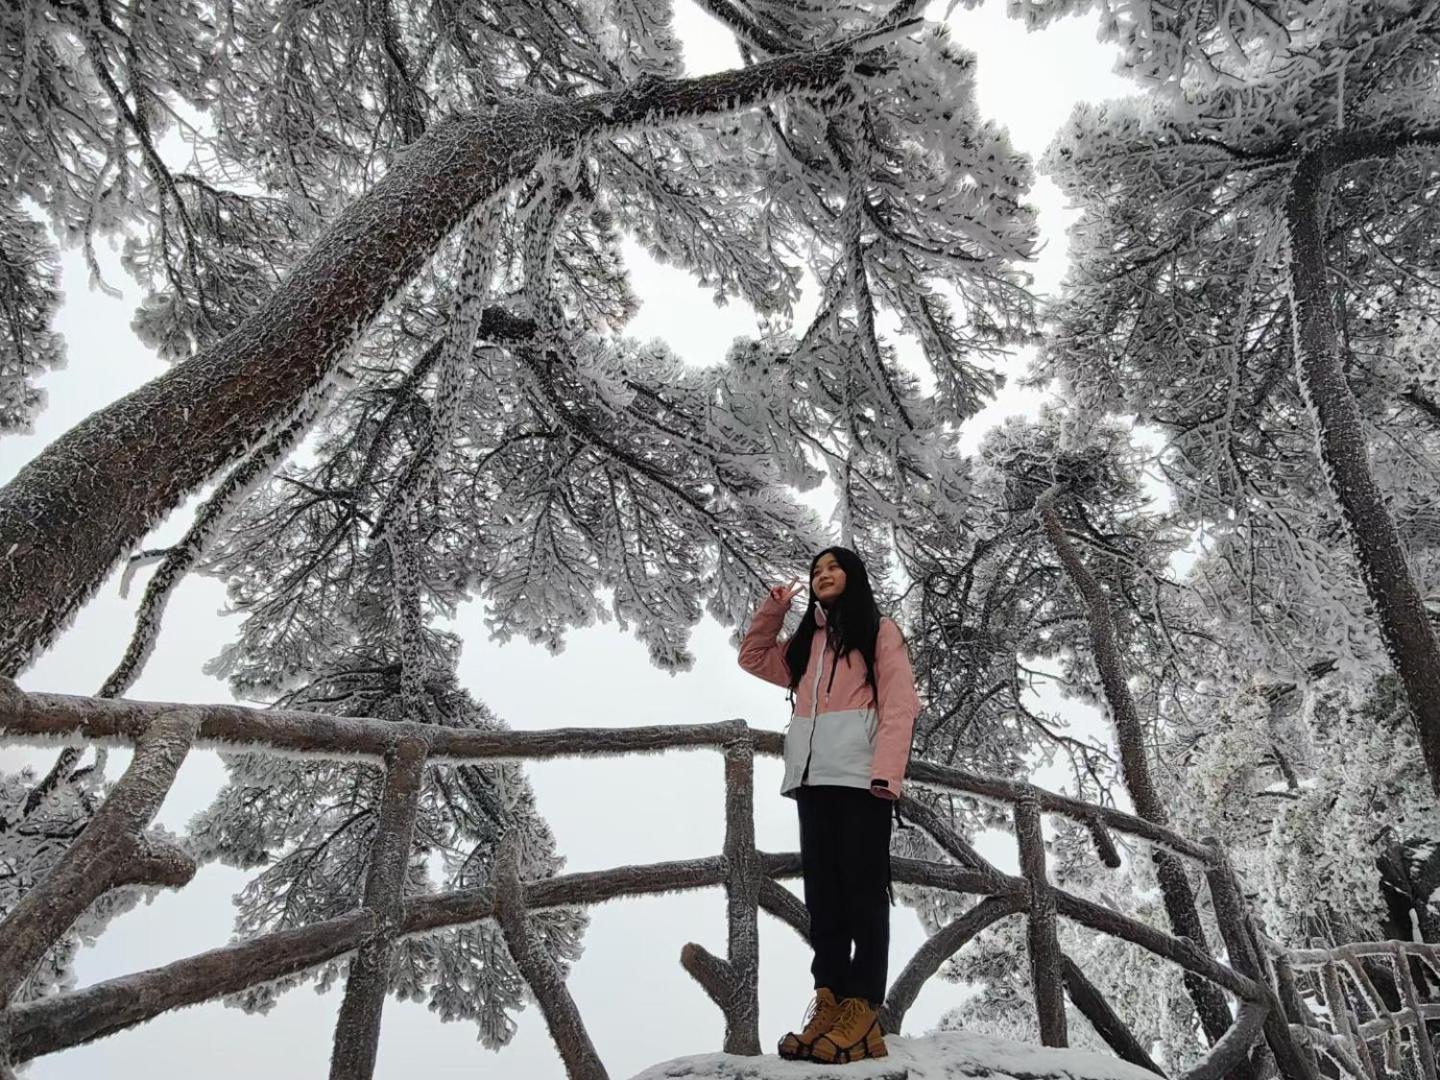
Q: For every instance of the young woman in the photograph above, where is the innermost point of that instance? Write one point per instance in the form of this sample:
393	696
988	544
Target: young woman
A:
846	750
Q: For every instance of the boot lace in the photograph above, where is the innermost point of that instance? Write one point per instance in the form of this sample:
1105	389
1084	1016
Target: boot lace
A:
810	1012
812	1015
852	1012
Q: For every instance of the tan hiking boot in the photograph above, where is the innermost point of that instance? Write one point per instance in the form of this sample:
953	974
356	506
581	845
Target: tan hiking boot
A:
821	1016
855	1036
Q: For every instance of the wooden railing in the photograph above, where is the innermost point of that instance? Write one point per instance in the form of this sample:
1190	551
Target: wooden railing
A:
1343	981
114	850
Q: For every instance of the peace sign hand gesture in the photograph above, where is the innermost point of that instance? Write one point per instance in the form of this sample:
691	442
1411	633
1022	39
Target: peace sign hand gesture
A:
784	594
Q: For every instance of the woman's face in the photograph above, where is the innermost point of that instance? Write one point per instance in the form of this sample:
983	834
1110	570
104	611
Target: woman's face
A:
827	579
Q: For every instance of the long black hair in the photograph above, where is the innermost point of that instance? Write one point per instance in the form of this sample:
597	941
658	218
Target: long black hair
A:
853	621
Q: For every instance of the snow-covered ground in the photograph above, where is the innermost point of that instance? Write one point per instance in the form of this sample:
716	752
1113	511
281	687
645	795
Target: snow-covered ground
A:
947	1056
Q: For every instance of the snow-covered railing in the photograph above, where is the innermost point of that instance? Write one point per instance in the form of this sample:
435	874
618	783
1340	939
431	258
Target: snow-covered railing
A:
114	851
1343	981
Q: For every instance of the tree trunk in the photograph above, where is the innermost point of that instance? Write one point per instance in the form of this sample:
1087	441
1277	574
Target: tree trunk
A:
1404	625
1179	898
93	493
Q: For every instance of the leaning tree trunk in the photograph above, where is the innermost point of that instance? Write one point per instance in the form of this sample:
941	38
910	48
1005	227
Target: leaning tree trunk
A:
92	494
1175	888
1404	623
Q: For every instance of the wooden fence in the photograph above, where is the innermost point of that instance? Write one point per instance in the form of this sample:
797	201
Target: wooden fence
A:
114	851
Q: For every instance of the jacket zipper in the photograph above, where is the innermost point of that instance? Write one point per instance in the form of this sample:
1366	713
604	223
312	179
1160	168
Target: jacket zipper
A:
814	713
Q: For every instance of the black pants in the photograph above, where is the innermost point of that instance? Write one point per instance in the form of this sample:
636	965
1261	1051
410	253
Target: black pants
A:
845	857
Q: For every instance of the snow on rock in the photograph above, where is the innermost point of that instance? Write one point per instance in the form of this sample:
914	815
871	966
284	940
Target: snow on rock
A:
946	1056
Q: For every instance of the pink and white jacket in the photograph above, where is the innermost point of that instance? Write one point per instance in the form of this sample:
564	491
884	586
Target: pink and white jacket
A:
836	734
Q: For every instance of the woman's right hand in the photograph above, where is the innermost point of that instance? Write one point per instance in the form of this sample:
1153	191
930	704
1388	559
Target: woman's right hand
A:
783	594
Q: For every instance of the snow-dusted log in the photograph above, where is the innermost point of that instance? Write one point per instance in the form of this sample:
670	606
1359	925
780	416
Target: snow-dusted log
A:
1335	1048
65	718
1104	842
357	1031
1339	1009
713	975
80	1016
1424	1048
939	947
1106	649
1041	929
569	890
544	977
1320	363
85	500
948	839
1294	1061
1107	1024
112	851
63	1020
932	875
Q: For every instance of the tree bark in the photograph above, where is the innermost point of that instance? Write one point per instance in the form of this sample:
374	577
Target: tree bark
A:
1175	888
1405	627
85	501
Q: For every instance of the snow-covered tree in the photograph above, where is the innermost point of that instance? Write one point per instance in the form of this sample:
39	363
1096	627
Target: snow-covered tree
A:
590	123
1065	566
994	609
1252	230
404	229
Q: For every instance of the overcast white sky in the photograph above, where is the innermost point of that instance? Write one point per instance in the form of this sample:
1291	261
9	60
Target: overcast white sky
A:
639	1005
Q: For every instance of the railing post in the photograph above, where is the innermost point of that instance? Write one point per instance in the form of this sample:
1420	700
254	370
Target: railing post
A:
1044	945
742	899
110	852
357	1031
734	983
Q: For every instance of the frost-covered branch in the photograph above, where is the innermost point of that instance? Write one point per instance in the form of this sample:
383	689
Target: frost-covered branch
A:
209	520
